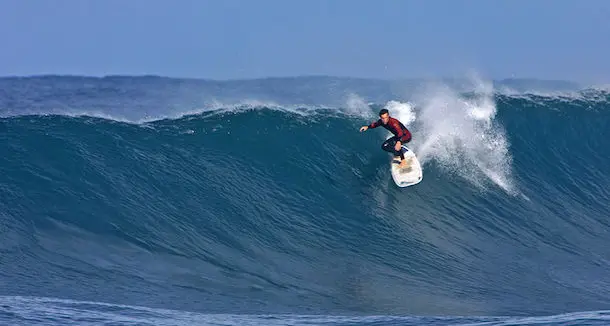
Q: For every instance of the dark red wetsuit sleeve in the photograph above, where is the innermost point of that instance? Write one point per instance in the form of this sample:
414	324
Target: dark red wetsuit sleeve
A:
375	124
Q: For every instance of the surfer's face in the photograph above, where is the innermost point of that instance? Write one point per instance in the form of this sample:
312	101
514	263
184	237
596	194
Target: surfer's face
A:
385	118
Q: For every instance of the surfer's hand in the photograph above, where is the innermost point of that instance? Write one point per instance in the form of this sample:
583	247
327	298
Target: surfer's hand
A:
397	146
364	128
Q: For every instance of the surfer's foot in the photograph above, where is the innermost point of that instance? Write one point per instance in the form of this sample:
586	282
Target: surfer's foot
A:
403	163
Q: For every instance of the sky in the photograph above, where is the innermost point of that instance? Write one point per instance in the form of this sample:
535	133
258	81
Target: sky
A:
231	39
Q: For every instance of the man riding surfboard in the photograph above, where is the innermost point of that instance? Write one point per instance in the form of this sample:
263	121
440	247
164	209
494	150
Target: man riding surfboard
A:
402	135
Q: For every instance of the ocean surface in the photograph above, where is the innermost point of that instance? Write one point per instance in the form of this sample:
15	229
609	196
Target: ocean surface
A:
160	201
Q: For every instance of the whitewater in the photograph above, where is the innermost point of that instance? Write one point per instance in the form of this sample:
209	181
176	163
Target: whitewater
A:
145	200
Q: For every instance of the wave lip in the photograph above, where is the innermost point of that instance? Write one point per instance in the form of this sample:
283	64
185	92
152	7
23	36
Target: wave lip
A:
149	98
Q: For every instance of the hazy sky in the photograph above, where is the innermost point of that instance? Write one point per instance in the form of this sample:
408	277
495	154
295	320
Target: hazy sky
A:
227	39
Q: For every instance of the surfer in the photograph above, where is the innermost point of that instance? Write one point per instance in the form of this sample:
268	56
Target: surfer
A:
402	135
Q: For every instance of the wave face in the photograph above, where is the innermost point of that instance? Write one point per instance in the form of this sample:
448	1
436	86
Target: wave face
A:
243	198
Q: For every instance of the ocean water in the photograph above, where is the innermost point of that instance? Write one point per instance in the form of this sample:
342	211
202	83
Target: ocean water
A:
158	201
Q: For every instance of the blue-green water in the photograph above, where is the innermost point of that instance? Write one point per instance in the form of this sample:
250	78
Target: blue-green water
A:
259	202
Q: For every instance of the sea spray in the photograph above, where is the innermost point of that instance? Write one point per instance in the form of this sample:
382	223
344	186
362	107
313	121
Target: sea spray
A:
459	133
356	106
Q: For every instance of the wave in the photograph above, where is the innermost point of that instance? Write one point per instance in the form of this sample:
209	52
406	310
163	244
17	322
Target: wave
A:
272	208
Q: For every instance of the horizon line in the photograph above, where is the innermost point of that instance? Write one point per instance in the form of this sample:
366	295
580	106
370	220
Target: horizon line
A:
301	76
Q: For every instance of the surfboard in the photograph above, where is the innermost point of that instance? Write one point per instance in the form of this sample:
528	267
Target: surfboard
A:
411	174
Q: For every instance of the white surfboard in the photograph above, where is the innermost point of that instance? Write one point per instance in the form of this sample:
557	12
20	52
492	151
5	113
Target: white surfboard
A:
411	174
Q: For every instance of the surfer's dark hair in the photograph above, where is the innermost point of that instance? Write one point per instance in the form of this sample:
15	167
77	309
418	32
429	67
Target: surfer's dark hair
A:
383	111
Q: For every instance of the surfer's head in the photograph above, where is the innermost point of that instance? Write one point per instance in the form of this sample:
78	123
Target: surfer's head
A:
384	115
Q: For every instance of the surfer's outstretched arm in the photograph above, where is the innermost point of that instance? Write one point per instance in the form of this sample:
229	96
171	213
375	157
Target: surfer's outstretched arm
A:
373	124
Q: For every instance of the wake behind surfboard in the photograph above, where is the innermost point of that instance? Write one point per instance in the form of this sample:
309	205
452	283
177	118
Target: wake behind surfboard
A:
411	174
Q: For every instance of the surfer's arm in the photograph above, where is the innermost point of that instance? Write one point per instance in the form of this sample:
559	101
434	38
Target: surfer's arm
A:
375	124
